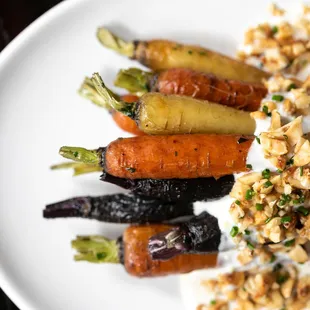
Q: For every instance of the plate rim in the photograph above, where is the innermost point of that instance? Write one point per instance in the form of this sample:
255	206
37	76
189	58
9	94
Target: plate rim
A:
6	56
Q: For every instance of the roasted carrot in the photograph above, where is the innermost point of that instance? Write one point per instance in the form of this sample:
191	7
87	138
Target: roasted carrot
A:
125	122
199	85
163	54
167	157
171	114
88	91
132	251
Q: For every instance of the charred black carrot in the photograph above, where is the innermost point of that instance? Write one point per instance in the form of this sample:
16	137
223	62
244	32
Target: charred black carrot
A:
163	54
119	208
168	157
158	114
199	189
88	91
199	85
132	251
191	190
201	234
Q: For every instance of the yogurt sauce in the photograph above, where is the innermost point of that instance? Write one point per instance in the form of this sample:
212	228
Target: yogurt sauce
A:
193	292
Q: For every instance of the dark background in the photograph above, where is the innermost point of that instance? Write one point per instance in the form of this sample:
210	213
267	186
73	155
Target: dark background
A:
15	15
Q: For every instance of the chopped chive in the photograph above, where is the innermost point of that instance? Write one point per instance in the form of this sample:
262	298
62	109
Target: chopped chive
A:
279	170
202	53
234	231
257	139
213	302
75	154
273	259
247	232
303	211
249	166
282	203
268	220
190	52
266	111
131	170
285	137
100	255
290	161
301	171
291	86
289	243
249	194
274	29
277	267
267	184
278	98
250	245
286	219
237	202
259	207
266	174
281	279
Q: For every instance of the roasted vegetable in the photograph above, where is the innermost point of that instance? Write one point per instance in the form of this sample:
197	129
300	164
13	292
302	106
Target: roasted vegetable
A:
199	189
199	85
159	114
88	91
191	190
132	251
119	208
201	234
163	54
168	157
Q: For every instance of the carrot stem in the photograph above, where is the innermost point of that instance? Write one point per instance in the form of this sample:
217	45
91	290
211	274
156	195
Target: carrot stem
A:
110	40
81	155
134	80
78	168
89	91
111	99
96	249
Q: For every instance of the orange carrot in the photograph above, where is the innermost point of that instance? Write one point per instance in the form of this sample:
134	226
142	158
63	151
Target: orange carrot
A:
167	157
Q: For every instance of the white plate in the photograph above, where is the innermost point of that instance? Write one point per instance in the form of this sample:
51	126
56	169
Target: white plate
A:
40	111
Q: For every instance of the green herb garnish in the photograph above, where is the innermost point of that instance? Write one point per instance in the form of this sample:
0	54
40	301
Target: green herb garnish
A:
278	98
249	166
273	259
131	170
237	202
249	194
213	302
257	139
286	219
250	246
303	210
259	207
267	184
247	232
301	171
289	243
175	153
274	29
266	111
292	86
268	220
190	52
281	279
266	174
234	231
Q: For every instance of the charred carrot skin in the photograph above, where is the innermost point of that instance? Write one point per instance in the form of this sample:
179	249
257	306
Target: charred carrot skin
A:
236	94
176	156
138	262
